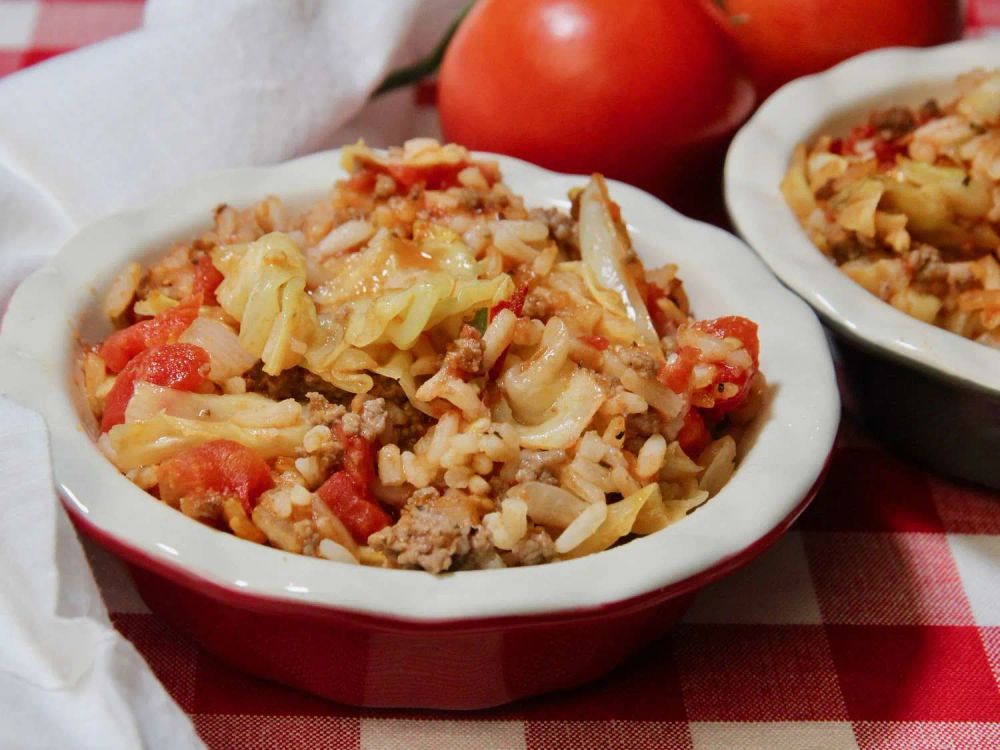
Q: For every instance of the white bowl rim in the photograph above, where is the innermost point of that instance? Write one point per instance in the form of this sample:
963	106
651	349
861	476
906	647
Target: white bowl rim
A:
763	148
786	460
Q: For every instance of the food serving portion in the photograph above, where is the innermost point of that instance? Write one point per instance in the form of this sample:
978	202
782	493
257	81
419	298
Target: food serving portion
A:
419	371
907	205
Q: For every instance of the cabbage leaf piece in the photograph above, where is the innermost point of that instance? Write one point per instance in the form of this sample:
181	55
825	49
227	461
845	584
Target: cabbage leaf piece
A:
240	409
619	521
156	439
603	244
264	287
568	417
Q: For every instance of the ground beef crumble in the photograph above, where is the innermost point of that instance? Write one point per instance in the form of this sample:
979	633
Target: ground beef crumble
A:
562	228
465	354
405	423
295	382
894	122
638	427
425	537
640	361
540	304
535	548
322	412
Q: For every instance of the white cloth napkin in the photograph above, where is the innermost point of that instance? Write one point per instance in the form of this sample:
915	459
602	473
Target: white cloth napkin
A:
201	86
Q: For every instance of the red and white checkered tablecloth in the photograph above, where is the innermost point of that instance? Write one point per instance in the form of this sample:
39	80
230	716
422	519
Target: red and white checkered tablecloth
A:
874	623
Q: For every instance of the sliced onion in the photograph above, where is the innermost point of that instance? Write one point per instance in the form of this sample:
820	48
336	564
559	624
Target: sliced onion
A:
657	395
549	505
332	551
570	415
227	357
583	527
603	250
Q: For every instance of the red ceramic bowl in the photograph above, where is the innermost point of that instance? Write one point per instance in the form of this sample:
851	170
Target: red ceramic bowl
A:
379	637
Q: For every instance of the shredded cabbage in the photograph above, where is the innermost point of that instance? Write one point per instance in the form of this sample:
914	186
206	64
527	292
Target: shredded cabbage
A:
153	440
603	242
243	410
569	415
265	289
619	521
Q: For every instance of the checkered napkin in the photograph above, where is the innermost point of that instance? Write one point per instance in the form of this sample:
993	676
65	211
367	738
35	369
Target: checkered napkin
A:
874	623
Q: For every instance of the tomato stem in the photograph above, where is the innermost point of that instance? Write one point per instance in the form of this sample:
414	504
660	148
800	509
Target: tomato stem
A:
426	65
736	19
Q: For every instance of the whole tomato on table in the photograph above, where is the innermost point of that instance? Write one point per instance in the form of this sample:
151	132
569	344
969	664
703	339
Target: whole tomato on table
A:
784	39
640	91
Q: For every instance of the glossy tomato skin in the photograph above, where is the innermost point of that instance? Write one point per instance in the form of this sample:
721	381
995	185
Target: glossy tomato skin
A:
354	505
694	436
207	279
732	326
348	491
222	466
636	90
785	39
123	345
179	366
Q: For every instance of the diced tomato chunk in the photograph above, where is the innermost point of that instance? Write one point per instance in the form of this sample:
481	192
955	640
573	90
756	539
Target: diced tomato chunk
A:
121	346
359	458
694	436
598	342
363	180
360	513
207	279
858	133
515	304
734	326
886	151
179	366
745	330
433	176
675	373
348	491
221	466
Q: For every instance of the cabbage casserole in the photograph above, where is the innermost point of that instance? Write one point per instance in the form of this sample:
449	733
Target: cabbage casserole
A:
419	372
907	205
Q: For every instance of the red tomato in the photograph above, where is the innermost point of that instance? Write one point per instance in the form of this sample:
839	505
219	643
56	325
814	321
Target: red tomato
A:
598	342
515	304
785	39
179	366
885	150
359	458
123	345
676	373
746	331
361	514
207	279
433	177
636	90
734	326
694	436
221	466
